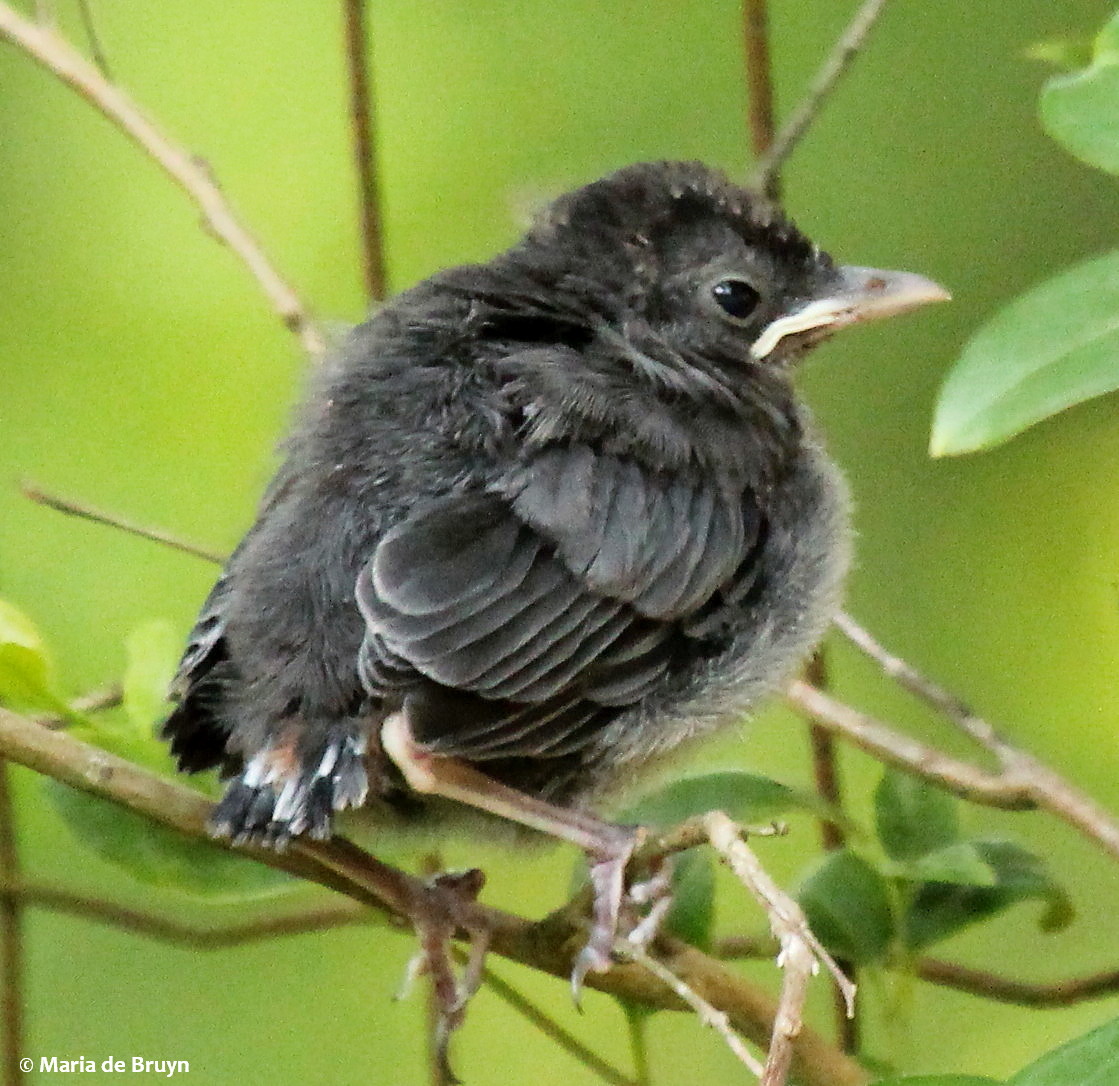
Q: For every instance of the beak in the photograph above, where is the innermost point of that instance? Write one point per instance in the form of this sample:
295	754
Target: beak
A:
859	294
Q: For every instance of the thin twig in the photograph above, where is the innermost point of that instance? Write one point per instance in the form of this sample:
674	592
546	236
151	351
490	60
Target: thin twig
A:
637	1026
825	772
96	50
43	44
909	678
548	946
767	174
11	940
362	116
343	913
759	84
800	949
736	947
1022	777
708	1015
887	745
1059	993
550	1027
438	1069
107	697
963	978
825	769
113	520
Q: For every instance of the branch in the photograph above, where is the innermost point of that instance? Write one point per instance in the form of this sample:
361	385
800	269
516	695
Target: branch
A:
553	1030
365	148
43	44
548	946
759	85
11	942
177	933
99	516
976	982
708	1015
801	952
776	153
825	771
887	745
1023	781
320	918
1059	993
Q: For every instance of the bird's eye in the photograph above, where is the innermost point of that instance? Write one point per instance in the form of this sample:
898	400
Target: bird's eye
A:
736	298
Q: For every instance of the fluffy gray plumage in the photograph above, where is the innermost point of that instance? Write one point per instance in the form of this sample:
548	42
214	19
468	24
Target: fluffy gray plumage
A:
549	505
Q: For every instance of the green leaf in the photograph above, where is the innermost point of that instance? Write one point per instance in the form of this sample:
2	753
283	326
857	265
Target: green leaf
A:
937	1080
960	863
745	797
26	680
1091	1060
158	856
912	817
692	914
1081	110
848	907
1055	346
153	854
152	652
940	909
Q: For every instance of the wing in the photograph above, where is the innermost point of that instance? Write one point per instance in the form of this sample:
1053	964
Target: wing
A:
551	603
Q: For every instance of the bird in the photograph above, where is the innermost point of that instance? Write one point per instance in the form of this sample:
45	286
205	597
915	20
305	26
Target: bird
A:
540	522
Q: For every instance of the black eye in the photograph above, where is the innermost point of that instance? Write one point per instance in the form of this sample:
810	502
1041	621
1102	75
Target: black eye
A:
736	298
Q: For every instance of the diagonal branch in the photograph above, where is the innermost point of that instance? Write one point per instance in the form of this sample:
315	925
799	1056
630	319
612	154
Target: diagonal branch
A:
801	952
43	44
892	747
776	153
1022	781
112	520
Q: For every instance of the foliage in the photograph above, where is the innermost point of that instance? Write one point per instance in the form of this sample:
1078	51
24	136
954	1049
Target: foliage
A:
1091	1060
148	853
1058	344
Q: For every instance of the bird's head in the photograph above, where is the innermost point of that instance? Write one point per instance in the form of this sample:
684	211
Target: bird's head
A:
691	270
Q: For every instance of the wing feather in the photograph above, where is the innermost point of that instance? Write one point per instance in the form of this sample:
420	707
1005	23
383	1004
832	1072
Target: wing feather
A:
550	602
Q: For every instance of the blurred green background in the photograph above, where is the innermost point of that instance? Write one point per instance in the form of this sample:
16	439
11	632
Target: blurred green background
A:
140	371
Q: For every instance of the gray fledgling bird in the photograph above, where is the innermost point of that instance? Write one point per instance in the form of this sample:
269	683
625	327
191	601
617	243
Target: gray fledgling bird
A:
541	520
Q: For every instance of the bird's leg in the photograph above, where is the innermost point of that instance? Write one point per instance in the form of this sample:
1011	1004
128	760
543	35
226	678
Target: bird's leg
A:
608	845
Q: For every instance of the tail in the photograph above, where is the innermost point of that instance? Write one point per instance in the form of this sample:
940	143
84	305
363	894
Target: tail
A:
196	728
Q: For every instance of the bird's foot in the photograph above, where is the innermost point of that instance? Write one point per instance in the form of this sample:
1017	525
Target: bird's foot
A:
608	846
633	912
437	914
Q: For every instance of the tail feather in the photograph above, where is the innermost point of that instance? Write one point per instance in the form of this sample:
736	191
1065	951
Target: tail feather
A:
196	727
276	797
